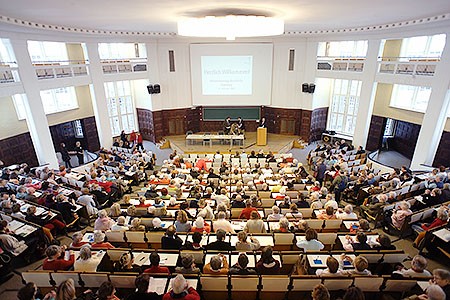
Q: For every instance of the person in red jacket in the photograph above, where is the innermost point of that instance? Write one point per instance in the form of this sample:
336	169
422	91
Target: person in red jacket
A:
155	268
55	261
181	290
140	141
245	213
441	219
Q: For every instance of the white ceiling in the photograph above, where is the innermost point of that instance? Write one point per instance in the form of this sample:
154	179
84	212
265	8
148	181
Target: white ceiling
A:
161	15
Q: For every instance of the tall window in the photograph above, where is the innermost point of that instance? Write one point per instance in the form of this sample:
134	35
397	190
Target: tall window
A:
47	51
54	101
120	106
121	50
410	97
343	49
6	52
423	46
344	106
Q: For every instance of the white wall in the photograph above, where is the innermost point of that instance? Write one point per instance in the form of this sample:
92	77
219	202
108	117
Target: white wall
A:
322	94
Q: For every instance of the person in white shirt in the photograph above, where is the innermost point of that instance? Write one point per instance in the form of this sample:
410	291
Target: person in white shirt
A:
418	268
10	243
222	198
16	212
223	224
331	202
275	215
87	262
87	200
311	242
333	268
347	213
315	201
120	225
218	156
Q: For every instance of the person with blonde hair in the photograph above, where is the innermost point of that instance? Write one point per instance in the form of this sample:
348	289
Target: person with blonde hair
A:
243	244
120	225
255	224
182	223
320	292
361	265
114	210
87	262
66	290
136	225
103	222
131	210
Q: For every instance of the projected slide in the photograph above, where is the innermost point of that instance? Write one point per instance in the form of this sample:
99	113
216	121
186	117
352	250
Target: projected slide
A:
226	75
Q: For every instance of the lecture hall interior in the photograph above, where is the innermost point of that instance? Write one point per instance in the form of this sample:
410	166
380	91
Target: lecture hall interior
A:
225	150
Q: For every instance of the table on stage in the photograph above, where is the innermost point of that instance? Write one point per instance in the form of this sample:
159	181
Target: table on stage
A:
210	137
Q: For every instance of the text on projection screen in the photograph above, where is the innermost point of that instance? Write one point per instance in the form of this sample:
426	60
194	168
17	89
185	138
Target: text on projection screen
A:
226	75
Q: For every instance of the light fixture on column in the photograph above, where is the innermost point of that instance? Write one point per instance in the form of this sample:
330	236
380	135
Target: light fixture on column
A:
231	26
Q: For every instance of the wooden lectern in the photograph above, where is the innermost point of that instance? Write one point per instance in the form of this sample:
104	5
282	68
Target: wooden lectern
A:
261	136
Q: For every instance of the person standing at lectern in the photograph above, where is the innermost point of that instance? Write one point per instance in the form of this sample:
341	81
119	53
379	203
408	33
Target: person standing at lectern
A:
262	123
241	126
227	125
80	153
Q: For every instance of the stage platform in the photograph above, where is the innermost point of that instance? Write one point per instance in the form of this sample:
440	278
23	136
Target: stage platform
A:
277	143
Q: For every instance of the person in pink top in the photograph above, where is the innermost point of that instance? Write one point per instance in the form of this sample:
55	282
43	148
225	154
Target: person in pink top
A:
400	213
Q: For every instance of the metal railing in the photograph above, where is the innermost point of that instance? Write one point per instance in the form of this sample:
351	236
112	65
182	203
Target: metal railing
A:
60	69
124	65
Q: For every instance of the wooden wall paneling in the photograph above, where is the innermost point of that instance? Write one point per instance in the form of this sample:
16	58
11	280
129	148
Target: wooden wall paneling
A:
145	123
305	125
442	156
319	117
18	149
91	139
158	125
405	138
376	130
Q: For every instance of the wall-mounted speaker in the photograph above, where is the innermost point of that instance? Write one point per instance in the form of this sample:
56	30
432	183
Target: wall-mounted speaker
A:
154	89
308	88
305	88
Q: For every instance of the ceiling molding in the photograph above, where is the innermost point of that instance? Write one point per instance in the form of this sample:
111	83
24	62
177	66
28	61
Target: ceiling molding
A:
123	33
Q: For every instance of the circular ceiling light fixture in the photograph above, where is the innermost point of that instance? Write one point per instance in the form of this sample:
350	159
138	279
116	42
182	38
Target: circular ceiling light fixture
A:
231	26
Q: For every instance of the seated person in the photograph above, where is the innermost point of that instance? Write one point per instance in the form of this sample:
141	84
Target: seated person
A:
170	240
195	244
223	224
103	222
99	241
320	292
10	243
245	213
418	268
87	262
432	292
361	264
217	266
240	268
220	244
201	226
55	259
255	224
383	242
126	263
346	213
283	224
328	214
293	212
311	242
275	215
333	268
441	278
187	265
361	244
77	242
244	245
155	268
363	226
181	290
267	265
441	219
136	225
120	225
141	292
400	214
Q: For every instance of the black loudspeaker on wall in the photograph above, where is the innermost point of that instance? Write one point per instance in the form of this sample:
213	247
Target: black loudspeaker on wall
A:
154	89
308	88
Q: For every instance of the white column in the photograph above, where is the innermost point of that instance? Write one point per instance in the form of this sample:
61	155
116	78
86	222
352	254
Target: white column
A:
436	114
98	96
367	96
153	72
309	74
35	114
